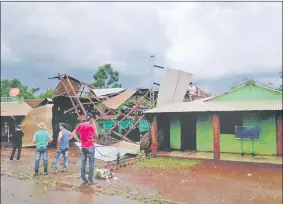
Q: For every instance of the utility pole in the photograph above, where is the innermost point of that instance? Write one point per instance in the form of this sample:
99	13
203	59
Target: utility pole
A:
152	96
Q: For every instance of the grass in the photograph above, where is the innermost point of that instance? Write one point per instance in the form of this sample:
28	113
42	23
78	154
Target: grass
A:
166	163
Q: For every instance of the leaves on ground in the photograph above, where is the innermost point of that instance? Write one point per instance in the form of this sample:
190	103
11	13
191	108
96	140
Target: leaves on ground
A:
166	163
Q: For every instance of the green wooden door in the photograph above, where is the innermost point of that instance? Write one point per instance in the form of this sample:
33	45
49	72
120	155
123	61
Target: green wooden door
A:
175	133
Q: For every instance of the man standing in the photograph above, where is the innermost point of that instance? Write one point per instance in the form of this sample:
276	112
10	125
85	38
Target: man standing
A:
62	147
87	132
192	91
17	143
41	139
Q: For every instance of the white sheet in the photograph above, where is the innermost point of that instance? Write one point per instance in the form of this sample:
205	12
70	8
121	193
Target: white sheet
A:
107	153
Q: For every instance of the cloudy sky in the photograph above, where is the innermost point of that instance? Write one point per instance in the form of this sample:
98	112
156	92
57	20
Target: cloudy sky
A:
217	42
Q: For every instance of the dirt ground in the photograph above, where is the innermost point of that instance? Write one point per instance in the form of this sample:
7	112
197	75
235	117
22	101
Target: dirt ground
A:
214	183
152	181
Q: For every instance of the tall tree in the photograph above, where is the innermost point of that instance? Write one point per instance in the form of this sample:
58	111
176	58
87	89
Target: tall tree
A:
49	93
25	91
106	77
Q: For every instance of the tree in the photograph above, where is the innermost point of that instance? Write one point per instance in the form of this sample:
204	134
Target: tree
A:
25	91
246	80
49	93
106	77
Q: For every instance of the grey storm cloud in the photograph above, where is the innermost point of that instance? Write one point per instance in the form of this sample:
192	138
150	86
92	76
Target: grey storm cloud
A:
210	40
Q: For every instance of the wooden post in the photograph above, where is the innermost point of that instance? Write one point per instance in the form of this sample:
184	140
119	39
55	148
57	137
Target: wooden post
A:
75	94
279	135
154	136
74	105
216	137
137	107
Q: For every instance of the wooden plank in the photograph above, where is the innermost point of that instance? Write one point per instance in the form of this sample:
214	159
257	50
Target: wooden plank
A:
63	83
75	94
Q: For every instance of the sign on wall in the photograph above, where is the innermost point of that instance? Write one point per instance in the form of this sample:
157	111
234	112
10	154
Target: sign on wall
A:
14	92
247	133
11	99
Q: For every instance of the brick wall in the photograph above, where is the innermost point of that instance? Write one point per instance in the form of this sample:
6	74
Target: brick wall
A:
216	136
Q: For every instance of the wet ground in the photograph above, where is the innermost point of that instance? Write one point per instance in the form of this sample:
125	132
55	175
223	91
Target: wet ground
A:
152	181
19	191
213	183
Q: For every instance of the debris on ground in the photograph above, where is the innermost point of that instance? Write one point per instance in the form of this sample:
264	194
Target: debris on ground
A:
109	153
103	174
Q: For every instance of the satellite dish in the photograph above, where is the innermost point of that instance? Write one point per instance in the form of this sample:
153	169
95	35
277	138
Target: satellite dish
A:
14	92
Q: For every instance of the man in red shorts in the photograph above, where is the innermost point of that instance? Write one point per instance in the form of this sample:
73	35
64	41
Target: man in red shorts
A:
87	132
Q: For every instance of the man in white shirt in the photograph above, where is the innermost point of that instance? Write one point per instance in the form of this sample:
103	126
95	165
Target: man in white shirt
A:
192	91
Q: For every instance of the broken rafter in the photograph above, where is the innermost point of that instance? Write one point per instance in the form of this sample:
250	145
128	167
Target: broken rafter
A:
104	132
69	95
103	115
133	109
75	94
134	125
88	103
118	124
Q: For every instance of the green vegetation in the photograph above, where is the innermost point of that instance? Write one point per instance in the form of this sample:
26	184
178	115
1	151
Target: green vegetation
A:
166	163
25	91
48	94
106	77
246	80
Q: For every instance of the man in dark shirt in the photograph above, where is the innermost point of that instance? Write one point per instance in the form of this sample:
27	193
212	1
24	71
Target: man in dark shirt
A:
17	143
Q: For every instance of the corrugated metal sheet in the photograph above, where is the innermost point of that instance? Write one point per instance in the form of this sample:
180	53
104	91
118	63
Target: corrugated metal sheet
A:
199	106
15	109
132	148
118	100
173	86
105	92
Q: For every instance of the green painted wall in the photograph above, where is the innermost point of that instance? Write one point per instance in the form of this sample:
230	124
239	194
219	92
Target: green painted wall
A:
12	99
228	143
108	124
175	133
249	92
204	132
265	145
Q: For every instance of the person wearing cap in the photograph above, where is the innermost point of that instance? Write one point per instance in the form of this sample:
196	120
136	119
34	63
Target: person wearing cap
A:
87	132
62	147
41	139
17	143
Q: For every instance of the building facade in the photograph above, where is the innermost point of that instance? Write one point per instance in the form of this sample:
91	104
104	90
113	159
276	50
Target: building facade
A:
213	125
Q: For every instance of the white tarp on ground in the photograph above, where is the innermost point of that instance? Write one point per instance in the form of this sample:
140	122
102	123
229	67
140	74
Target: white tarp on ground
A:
173	86
107	153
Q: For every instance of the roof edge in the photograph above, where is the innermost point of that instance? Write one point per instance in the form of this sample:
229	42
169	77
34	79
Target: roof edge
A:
242	87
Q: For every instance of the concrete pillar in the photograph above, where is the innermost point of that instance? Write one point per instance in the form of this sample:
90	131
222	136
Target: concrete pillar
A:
216	136
279	135
154	136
